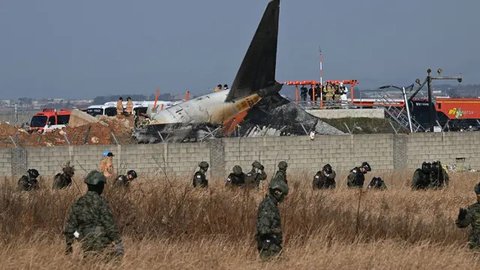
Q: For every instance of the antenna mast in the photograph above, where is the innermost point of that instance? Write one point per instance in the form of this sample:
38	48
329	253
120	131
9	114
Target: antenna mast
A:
321	65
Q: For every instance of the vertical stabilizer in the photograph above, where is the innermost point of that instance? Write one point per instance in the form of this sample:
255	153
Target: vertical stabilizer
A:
257	71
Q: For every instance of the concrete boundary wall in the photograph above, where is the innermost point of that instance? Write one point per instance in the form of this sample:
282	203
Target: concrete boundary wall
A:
384	152
353	113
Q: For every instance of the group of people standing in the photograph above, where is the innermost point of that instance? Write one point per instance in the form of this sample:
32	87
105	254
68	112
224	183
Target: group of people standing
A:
128	110
327	92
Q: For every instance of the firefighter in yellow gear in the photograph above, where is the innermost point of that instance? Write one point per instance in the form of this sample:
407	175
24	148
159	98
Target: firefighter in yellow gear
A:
129	109
120	106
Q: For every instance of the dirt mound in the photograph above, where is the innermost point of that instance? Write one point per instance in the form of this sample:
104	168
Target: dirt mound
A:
109	130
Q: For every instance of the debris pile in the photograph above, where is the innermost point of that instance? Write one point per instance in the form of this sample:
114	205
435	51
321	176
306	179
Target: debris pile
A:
106	130
277	116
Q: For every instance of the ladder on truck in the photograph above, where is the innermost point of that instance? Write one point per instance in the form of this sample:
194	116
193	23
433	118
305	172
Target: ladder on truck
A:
399	114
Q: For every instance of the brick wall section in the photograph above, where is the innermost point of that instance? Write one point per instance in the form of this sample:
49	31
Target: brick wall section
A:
341	113
5	162
383	152
217	158
400	151
444	147
305	155
18	161
177	160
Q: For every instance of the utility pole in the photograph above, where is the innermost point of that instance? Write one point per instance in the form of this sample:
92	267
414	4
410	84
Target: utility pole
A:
16	113
432	116
407	107
321	65
431	106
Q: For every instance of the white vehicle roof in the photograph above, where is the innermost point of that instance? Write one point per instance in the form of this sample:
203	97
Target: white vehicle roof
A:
140	103
99	106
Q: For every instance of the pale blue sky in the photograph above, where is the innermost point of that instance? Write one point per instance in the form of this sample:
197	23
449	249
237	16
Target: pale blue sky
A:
60	48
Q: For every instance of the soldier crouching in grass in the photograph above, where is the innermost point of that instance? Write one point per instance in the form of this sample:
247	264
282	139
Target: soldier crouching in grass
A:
471	216
377	183
64	180
90	221
269	227
356	178
236	178
324	179
29	182
200	178
125	180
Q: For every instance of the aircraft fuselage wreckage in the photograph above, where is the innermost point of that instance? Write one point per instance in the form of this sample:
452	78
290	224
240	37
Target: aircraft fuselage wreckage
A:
255	81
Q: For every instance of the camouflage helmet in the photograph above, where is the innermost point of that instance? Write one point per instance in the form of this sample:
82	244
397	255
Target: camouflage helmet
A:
203	165
257	164
33	173
95	178
237	170
282	165
477	189
366	166
280	186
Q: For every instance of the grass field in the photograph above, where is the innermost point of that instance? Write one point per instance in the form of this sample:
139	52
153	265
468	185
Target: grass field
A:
167	224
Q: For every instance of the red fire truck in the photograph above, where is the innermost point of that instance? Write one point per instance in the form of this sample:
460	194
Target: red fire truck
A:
49	119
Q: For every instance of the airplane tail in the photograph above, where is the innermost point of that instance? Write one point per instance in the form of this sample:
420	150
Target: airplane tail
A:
257	71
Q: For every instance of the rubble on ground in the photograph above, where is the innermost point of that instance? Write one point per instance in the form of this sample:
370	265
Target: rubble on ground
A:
79	118
106	130
276	116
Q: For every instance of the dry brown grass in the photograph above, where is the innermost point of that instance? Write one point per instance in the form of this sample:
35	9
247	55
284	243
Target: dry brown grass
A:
177	227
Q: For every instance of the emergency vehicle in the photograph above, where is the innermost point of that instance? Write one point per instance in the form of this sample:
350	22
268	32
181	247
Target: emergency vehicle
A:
49	119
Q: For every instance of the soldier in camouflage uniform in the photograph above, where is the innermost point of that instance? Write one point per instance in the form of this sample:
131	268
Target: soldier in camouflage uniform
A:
471	216
199	178
356	178
325	178
236	178
29	182
377	183
280	175
269	228
256	176
64	180
125	180
431	175
422	177
440	177
90	221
